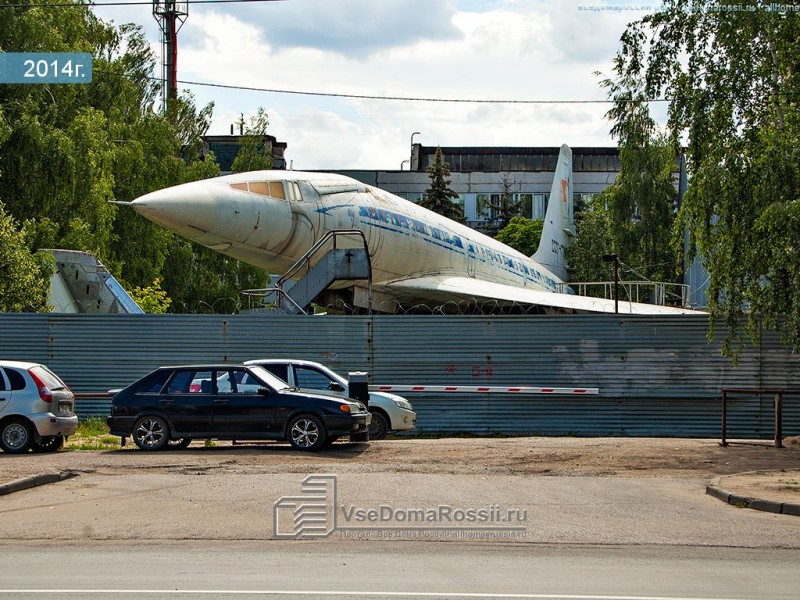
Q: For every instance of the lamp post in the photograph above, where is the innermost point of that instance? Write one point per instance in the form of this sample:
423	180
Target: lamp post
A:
615	259
411	155
404	162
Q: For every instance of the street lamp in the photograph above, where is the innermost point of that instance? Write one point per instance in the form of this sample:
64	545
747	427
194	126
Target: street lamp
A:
404	162
615	259
411	155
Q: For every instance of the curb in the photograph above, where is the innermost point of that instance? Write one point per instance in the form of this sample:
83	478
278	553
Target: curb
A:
26	483
781	508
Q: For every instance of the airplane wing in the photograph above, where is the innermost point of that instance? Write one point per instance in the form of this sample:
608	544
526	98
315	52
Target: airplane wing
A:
477	289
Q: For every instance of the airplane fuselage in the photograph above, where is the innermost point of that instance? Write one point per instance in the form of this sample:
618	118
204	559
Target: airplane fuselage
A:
271	218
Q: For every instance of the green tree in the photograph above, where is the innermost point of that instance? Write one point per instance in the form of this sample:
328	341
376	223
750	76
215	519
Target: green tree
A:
24	276
507	208
66	150
255	152
731	78
521	234
151	299
642	202
203	280
594	237
439	197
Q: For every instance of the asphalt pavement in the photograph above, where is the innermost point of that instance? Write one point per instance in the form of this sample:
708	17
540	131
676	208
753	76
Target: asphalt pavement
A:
265	523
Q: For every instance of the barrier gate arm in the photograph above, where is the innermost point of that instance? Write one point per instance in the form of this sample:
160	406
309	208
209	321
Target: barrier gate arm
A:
482	389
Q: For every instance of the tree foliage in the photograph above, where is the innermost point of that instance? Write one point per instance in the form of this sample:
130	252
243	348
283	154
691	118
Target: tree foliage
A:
507	208
521	234
67	150
151	299
255	154
732	80
439	197
24	275
594	238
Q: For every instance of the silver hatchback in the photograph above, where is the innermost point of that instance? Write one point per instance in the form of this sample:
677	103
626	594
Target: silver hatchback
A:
36	408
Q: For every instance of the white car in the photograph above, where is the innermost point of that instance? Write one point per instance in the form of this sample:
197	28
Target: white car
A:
389	411
36	408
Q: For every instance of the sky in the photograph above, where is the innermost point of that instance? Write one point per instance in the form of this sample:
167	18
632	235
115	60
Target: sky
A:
449	49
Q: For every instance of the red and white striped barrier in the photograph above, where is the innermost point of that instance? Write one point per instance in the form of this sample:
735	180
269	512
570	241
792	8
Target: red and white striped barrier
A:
472	389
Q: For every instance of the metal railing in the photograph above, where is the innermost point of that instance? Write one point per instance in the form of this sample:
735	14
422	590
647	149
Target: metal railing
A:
652	292
305	262
778	404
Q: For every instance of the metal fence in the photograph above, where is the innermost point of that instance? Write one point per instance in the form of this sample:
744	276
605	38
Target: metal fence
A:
657	375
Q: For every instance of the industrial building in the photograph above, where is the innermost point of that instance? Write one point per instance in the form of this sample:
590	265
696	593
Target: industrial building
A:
482	175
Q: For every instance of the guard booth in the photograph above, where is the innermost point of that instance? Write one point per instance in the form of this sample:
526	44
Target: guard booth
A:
358	384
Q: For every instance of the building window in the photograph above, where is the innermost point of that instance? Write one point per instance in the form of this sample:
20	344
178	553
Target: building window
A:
539	206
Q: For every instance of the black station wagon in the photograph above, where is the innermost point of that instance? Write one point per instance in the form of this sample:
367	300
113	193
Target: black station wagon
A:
174	405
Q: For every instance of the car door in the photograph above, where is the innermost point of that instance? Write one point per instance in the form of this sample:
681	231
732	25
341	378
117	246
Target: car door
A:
240	408
5	391
188	402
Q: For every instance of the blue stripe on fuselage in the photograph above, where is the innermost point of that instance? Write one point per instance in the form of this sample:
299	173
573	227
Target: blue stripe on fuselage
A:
401	224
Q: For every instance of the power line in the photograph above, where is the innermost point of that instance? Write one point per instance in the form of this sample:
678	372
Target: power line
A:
375	97
400	98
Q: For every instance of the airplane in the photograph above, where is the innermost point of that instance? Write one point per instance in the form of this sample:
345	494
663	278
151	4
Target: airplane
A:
271	218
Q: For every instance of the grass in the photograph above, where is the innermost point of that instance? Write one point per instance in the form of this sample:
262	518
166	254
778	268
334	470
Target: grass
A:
92	434
92	426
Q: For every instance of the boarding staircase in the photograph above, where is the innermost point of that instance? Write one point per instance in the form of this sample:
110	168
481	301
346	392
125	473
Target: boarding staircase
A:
315	271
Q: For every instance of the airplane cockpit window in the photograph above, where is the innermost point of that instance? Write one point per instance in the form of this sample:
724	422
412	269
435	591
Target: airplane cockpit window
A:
273	189
294	191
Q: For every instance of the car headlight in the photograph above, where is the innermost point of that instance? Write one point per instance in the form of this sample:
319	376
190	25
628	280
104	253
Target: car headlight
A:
404	404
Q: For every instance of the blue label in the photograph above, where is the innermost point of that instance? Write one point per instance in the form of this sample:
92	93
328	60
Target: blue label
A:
45	67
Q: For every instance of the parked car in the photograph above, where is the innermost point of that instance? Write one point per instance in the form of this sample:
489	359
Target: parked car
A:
389	411
174	405
36	408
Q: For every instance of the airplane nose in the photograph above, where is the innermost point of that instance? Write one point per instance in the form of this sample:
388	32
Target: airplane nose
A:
189	209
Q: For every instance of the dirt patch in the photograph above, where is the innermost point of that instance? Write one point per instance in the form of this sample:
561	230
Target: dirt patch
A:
620	457
782	485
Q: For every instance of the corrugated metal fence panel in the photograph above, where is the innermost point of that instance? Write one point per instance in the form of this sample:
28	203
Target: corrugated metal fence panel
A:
657	375
87	408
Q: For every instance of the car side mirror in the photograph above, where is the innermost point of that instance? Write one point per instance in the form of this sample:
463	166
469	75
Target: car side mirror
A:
263	391
335	386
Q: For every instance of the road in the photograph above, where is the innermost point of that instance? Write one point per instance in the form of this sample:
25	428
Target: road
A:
342	569
202	524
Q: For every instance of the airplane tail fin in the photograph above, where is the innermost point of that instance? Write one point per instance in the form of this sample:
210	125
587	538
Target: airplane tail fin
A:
559	225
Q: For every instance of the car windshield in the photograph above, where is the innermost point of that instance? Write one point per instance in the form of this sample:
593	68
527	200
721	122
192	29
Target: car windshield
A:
335	376
274	382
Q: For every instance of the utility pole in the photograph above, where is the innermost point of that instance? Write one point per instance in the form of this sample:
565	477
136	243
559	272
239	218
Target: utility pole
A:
170	15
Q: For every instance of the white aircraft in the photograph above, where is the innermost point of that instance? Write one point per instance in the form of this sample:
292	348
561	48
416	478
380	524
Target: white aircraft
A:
271	218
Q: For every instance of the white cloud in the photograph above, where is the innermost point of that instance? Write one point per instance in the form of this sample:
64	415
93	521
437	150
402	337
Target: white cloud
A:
353	28
482	49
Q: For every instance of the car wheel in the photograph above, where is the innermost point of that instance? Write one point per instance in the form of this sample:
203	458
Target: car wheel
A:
179	443
49	443
306	432
379	427
151	433
16	436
